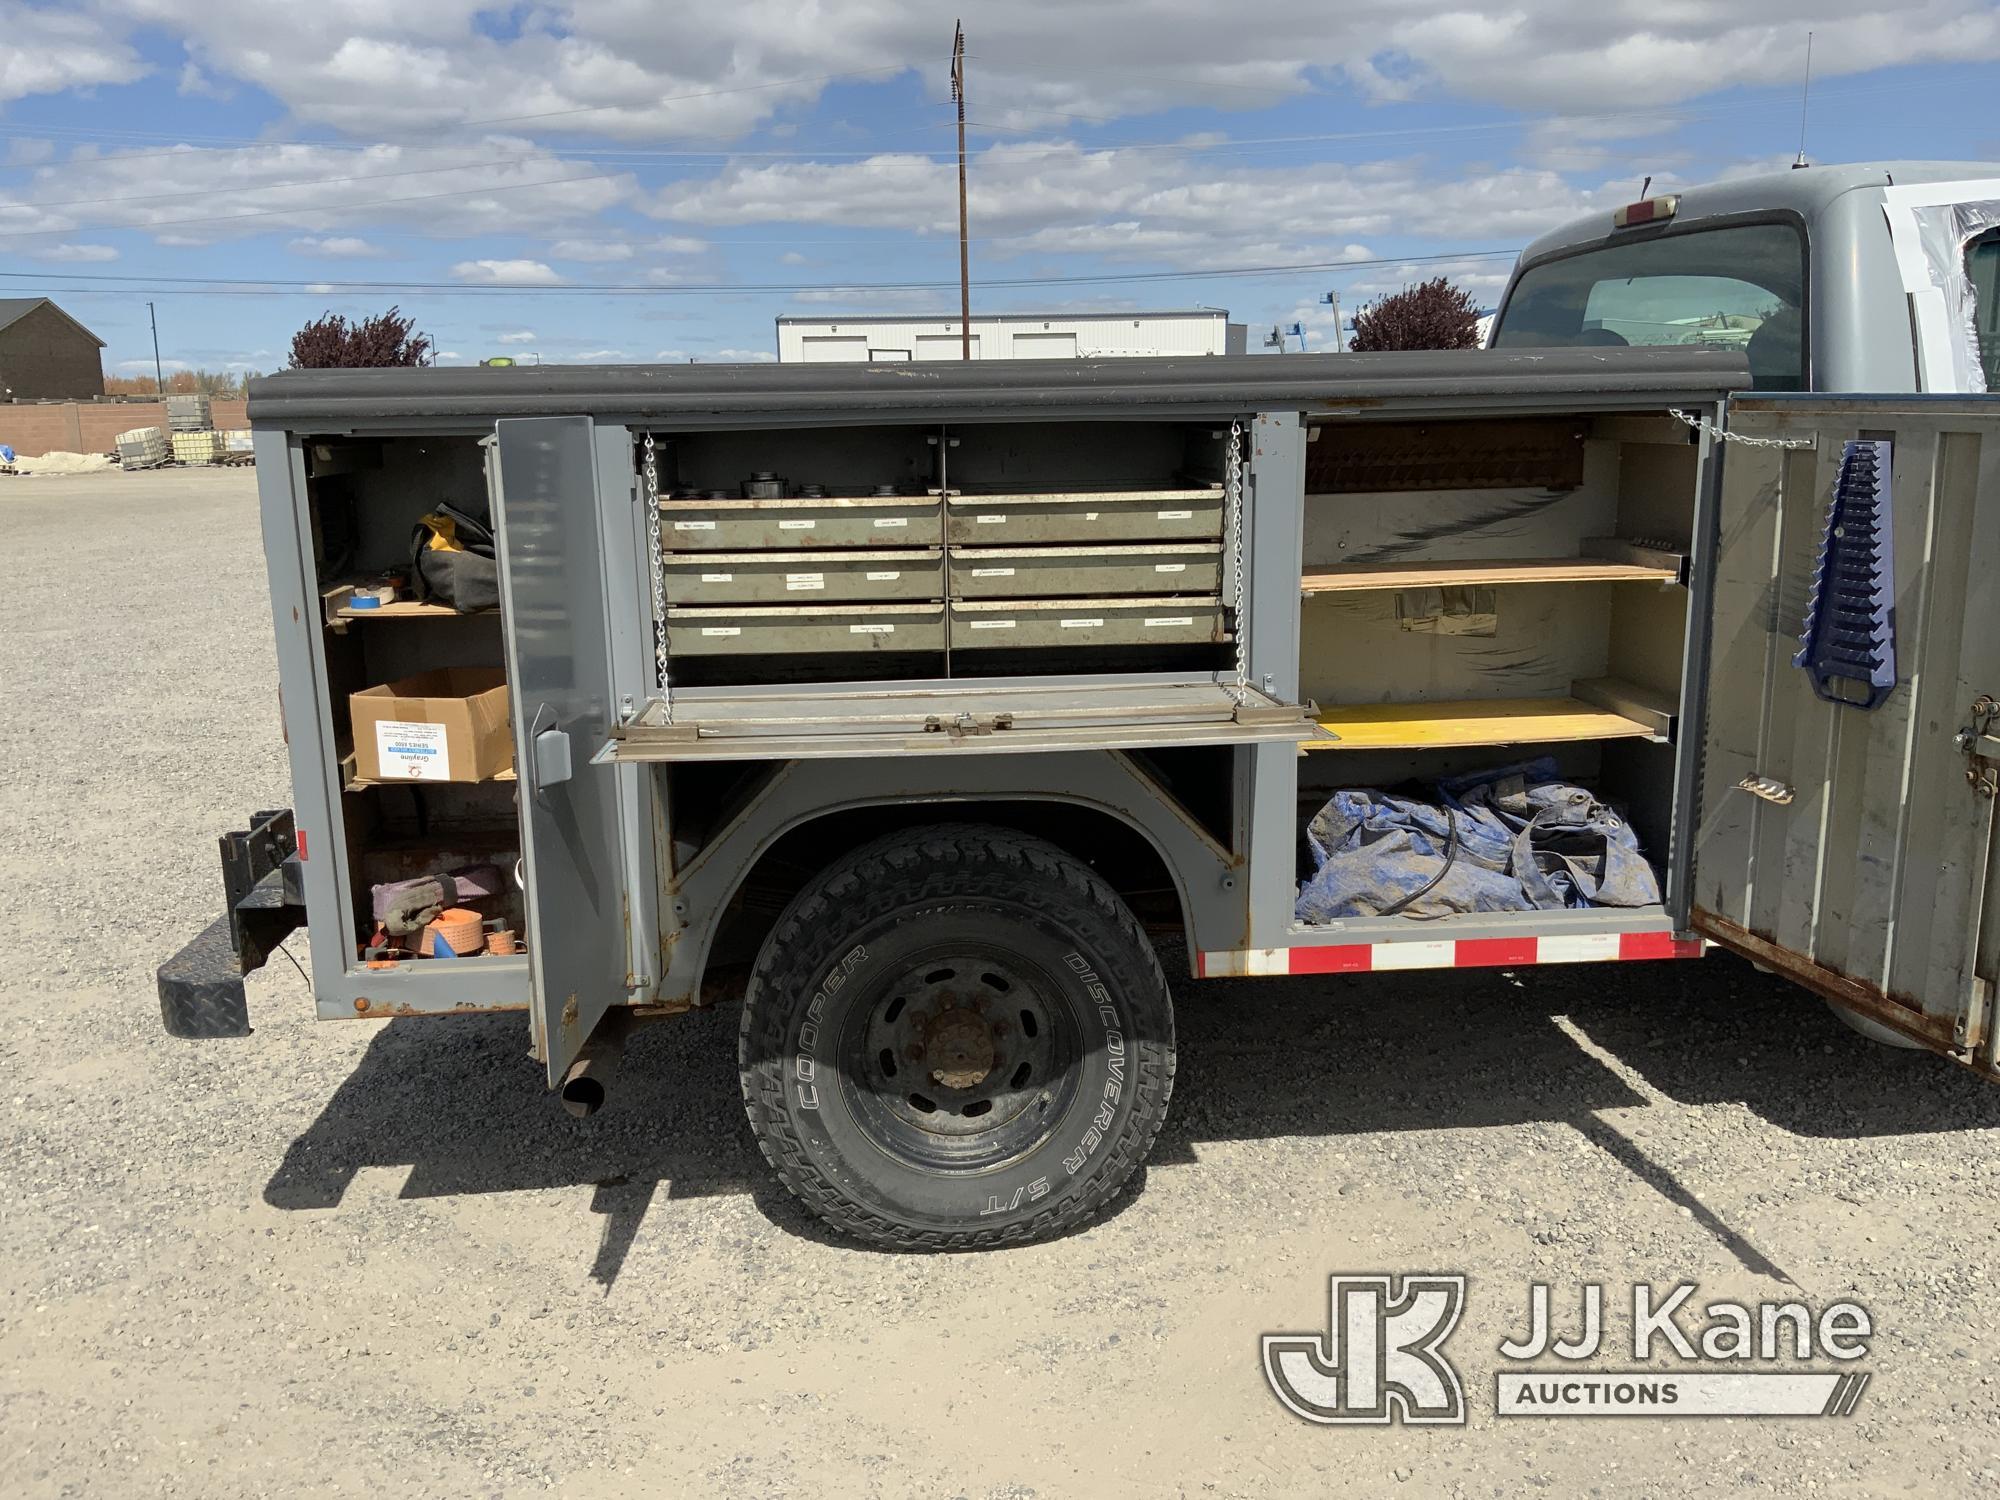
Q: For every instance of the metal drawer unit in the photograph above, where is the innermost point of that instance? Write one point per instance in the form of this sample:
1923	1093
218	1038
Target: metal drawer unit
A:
705	578
1168	620
1084	517
832	521
1085	572
774	630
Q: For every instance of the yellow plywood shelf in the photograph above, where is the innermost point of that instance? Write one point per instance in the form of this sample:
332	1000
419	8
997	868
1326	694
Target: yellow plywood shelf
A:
1356	578
353	781
1501	721
340	608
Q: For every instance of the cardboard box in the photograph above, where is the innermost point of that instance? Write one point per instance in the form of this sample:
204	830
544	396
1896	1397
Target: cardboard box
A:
450	724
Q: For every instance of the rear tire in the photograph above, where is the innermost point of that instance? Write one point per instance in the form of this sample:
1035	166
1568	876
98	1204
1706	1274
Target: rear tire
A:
956	1037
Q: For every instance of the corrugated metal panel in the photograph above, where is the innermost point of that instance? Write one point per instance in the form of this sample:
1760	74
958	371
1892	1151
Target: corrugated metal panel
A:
1460	381
1859	865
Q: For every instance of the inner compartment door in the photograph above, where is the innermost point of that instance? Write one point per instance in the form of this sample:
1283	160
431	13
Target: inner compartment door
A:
1848	846
559	666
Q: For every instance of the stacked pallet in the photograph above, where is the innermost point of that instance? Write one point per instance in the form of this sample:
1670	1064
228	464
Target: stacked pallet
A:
143	447
189	413
197	447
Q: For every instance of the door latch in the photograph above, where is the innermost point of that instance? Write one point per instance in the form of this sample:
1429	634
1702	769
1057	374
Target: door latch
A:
1981	747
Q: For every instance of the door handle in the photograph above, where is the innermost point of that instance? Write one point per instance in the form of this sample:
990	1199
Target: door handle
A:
552	758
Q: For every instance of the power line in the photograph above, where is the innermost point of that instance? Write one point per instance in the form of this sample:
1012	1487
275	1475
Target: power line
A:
232	285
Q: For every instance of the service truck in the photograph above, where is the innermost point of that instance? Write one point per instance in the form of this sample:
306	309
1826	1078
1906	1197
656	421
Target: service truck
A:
1879	276
927	697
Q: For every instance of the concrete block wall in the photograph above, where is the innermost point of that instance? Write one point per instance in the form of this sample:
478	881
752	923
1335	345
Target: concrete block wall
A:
32	428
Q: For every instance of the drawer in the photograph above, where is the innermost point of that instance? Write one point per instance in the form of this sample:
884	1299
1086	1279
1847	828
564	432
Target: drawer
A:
1085	517
1169	620
1085	572
755	525
804	577
792	629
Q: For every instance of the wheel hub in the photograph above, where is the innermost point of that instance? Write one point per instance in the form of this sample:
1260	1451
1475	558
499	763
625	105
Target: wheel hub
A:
959	1049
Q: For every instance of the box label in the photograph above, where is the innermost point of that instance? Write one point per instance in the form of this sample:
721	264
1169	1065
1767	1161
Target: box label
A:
884	521
694	525
992	572
871	630
1176	515
718	578
721	630
797	581
412	751
1082	624
883	577
1156	620
1169	567
992	624
797	525
990	520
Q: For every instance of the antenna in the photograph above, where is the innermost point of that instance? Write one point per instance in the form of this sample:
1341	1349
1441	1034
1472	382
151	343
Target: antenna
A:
1645	187
964	268
1805	98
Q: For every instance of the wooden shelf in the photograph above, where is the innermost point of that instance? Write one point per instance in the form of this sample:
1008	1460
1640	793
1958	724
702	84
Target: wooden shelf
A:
1600	710
1358	577
340	609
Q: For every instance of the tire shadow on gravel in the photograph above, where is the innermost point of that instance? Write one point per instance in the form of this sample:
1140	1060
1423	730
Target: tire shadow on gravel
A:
462	1107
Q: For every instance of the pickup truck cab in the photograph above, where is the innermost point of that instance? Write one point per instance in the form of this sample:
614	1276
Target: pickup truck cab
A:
1880	277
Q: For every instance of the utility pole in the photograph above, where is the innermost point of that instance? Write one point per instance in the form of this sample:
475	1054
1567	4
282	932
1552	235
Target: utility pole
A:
159	375
964	259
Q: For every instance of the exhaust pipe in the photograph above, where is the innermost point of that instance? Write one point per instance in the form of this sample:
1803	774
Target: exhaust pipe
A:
587	1083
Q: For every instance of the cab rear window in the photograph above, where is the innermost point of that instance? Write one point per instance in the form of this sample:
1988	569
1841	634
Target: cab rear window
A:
1741	287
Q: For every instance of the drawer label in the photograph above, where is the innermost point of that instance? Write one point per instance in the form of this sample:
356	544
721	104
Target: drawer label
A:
992	572
992	624
871	630
1157	620
694	525
884	521
412	751
718	578
883	577
797	525
802	585
1169	567
990	520
721	630
1082	624
1176	515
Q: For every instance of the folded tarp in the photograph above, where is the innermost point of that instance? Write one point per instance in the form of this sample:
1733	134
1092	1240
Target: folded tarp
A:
1515	839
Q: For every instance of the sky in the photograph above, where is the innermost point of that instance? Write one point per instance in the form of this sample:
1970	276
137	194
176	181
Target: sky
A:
621	181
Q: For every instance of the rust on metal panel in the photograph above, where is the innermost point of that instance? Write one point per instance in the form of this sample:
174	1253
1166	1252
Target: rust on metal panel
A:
1899	1015
377	1009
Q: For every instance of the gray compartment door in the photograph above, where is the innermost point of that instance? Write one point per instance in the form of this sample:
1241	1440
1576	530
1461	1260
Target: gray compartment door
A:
559	665
1859	866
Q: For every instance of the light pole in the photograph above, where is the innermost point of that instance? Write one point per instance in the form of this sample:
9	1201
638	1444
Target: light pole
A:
159	374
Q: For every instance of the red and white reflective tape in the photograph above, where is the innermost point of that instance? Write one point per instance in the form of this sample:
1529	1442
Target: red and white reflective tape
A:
1447	953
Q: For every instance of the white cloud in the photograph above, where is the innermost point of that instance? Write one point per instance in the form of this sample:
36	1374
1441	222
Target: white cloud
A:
507	273
739	357
519	336
336	246
596	251
48	51
76	254
608	68
197	84
591	356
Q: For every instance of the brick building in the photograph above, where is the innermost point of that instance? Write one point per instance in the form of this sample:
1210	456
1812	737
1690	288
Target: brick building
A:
45	354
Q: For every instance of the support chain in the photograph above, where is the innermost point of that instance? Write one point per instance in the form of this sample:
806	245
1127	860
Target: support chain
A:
1723	435
1233	500
656	565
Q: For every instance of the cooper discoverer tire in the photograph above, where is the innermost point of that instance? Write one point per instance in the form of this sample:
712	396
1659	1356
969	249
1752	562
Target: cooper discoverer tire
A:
956	1037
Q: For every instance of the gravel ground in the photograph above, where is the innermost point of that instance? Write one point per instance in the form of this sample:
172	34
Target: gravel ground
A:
374	1257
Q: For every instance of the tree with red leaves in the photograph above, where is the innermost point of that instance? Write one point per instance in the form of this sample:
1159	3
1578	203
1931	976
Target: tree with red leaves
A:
1431	315
381	342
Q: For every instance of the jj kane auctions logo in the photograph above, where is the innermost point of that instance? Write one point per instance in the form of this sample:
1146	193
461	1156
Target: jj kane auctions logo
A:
1381	1357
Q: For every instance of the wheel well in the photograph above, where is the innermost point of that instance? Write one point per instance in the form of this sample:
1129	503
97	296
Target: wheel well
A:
1117	851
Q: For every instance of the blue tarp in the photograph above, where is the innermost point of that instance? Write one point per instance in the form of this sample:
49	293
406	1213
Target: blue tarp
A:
1515	839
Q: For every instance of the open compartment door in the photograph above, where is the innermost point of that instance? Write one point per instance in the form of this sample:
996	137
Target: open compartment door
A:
559	668
1852	737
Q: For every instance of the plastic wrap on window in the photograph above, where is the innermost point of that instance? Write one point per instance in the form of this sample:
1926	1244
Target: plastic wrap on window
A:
1944	230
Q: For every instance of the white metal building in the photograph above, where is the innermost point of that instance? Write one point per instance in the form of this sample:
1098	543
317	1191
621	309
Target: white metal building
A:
1009	336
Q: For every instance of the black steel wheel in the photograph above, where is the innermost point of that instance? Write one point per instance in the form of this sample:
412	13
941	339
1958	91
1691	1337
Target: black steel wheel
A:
956	1037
